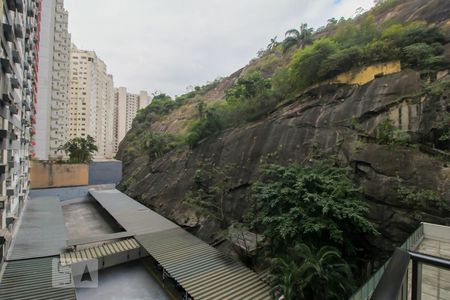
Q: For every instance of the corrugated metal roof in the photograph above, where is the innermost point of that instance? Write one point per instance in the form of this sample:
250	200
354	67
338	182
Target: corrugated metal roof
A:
33	279
203	271
42	231
130	214
69	258
99	238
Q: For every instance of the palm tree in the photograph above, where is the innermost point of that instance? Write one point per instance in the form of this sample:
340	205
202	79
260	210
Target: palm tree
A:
287	278
310	274
297	37
273	43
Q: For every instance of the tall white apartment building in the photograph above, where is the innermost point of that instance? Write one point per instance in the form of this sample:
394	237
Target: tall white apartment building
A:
53	84
19	56
91	100
127	105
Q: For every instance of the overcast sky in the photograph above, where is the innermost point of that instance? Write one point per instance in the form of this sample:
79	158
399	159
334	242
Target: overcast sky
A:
168	45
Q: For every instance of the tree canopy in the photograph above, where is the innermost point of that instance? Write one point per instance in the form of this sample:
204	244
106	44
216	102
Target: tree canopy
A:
80	150
318	205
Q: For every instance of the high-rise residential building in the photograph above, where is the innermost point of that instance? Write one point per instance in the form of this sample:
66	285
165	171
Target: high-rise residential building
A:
91	100
19	56
53	86
127	105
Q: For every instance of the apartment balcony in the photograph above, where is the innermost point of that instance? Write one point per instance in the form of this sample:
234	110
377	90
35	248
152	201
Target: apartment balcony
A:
28	30
15	96
13	109
13	136
10	192
18	30
11	164
2	206
8	32
6	94
26	105
19	6
6	65
3	134
15	84
16	57
11	4
3	168
14	145
31	12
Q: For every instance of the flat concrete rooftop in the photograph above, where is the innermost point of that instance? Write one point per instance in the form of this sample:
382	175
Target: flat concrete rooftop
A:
41	230
88	218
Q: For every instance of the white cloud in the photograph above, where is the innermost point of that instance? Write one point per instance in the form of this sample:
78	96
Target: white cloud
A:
170	44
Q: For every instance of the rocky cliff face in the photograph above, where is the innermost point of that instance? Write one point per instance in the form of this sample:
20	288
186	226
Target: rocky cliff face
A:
339	120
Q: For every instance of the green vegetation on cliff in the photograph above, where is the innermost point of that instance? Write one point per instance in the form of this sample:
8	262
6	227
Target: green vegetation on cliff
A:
319	206
278	111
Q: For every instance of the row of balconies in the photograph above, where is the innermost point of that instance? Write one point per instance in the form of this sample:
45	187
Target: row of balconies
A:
13	28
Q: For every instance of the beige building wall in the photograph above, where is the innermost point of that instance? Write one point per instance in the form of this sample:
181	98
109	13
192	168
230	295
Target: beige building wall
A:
127	106
109	119
121	121
144	99
91	98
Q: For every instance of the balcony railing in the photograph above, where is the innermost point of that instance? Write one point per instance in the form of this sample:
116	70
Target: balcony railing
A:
394	283
366	291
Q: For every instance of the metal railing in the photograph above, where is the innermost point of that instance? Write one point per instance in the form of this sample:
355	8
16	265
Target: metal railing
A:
366	291
393	285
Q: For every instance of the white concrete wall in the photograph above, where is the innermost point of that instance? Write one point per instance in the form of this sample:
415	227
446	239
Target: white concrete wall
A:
42	147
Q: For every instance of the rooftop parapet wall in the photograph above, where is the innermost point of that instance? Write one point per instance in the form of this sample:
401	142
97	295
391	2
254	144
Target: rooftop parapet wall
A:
50	174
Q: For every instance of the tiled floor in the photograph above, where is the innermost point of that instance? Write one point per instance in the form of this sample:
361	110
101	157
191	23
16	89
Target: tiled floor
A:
435	281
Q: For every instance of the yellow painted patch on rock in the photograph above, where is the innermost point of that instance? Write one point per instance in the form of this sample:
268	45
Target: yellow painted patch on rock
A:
367	74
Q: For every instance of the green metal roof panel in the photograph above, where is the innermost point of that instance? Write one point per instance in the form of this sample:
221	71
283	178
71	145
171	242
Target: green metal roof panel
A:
203	271
34	279
42	231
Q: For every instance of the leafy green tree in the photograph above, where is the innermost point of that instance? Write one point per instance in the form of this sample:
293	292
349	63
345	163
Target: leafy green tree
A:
417	54
421	199
298	37
307	62
158	143
247	87
443	125
316	204
80	150
389	134
211	123
210	199
339	62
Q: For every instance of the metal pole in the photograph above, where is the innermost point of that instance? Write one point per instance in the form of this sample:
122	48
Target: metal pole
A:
416	290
